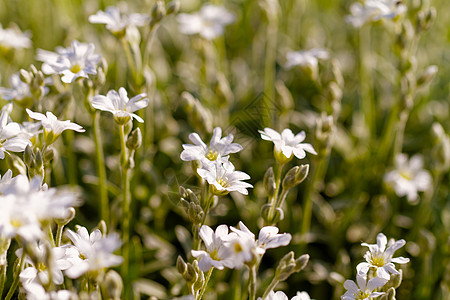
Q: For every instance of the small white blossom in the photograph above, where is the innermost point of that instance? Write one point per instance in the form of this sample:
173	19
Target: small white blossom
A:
116	22
19	90
287	145
409	177
209	22
217	252
268	237
14	38
36	291
52	126
374	10
91	252
363	290
120	106
5	180
380	259
218	147
306	58
301	296
10	137
224	178
73	62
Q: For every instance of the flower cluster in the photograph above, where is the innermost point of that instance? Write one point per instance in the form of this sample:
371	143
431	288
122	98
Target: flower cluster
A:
379	260
216	169
374	10
116	22
233	248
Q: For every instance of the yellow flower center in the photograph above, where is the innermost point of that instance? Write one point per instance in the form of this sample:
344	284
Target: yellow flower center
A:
407	175
238	248
75	68
41	267
361	295
223	182
212	155
377	260
214	255
82	256
16	223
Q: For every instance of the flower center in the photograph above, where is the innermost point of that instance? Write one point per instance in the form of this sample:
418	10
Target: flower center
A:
75	68
212	155
238	248
361	295
82	256
214	255
377	260
41	267
16	223
223	182
407	175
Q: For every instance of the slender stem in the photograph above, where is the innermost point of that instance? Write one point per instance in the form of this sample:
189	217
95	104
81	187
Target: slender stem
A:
130	60
202	291
269	67
270	288
208	196
274	200
126	201
101	171
398	145
59	233
50	236
15	283
2	277
252	283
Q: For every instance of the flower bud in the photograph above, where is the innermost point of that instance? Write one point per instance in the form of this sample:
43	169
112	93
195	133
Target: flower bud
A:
38	159
200	280
102	227
265	210
25	76
112	285
391	294
49	155
158	12
427	75
28	156
301	262
295	176
190	275
65	221
134	140
181	265
269	182
173	7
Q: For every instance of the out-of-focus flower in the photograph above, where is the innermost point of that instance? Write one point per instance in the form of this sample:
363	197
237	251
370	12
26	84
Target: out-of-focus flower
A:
73	62
19	90
268	237
10	137
120	106
218	147
116	22
217	252
14	38
5	180
91	252
306	58
409	177
282	296
374	10
380	259
363	290
36	291
287	145
209	22
52	126
224	178
301	296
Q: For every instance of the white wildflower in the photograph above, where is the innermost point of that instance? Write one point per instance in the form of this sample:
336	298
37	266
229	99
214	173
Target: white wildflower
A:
363	290
120	106
36	291
116	22
224	178
10	137
301	296
91	252
287	145
409	177
52	126
306	58
380	259
14	39
5	180
374	10
218	147
19	90
209	22
73	62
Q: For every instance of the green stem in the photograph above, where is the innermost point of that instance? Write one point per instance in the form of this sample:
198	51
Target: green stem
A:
50	236
101	171
202	291
398	145
274	200
15	283
270	288
59	233
130	60
252	283
126	202
208	196
2	278
269	68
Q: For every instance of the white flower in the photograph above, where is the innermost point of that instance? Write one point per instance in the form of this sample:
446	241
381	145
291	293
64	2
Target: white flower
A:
268	237
120	106
306	58
374	10
18	91
208	23
10	137
217	252
117	23
223	178
301	296
364	289
5	180
409	177
287	145
14	38
36	291
73	62
380	259
52	126
218	147
91	252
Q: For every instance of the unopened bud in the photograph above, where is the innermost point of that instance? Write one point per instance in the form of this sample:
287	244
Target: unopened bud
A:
181	265
39	161
425	19
173	7
66	220
49	155
295	176
301	262
158	12
396	279
200	281
102	227
190	275
427	75
112	285
269	182
25	76
134	140
391	294
28	156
